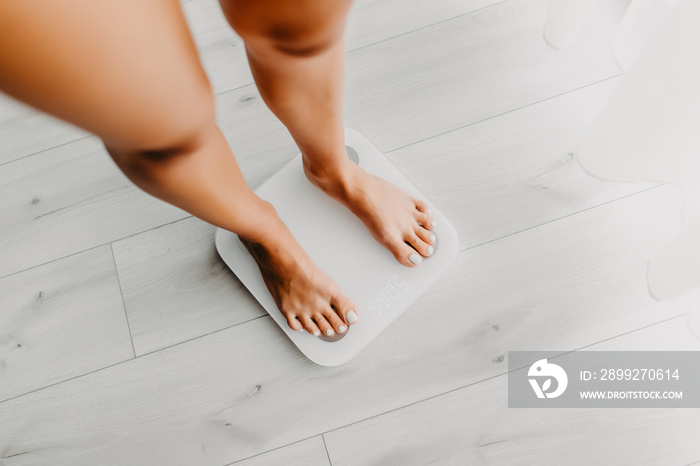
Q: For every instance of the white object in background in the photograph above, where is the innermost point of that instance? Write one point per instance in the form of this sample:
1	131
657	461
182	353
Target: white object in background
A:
340	244
650	130
564	19
641	19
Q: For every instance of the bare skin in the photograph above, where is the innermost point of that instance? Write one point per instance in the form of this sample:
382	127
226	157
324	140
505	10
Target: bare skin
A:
152	105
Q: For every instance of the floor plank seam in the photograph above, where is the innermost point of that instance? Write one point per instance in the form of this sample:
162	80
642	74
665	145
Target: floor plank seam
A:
53	260
202	336
564	217
94	247
121	293
323	437
271	450
504	113
48	149
493	5
64	381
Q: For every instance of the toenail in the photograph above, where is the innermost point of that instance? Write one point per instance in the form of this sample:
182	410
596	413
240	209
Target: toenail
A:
316	333
341	329
434	223
430	211
430	250
351	317
301	329
329	332
432	238
415	258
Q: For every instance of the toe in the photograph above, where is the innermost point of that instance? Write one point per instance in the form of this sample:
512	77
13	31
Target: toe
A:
405	254
421	205
323	324
426	220
310	325
335	321
423	248
293	322
345	308
425	235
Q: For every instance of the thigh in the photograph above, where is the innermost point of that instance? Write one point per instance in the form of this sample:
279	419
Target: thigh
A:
126	70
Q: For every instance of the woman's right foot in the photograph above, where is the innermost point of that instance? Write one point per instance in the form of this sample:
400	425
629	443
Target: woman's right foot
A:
308	297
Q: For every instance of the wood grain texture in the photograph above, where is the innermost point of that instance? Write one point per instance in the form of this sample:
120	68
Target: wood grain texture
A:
311	452
61	320
563	285
68	199
176	287
514	171
469	68
474	426
372	21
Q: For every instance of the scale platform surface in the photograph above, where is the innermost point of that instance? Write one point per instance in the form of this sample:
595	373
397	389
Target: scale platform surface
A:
340	244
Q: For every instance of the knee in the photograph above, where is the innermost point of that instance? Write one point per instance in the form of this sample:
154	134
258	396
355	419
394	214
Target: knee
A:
177	133
300	28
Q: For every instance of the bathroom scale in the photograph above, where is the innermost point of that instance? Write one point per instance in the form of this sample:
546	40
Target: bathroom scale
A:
341	245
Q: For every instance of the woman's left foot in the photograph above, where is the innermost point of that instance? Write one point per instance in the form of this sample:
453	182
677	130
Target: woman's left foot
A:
397	220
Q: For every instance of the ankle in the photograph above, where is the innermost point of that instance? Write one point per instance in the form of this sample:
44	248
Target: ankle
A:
335	179
266	226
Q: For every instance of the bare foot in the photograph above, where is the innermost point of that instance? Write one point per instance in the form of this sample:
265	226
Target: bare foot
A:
308	298
397	220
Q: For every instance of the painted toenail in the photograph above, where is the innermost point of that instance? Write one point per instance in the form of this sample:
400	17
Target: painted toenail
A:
316	333
341	329
434	223
432	238
329	332
351	317
430	211
430	250
415	258
301	329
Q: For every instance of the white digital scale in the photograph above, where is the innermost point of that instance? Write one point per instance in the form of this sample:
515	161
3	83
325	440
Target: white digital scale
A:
340	244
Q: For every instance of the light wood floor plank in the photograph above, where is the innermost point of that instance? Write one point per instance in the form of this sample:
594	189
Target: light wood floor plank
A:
469	68
221	50
514	171
474	425
563	285
311	452
372	21
25	131
66	200
176	287
61	320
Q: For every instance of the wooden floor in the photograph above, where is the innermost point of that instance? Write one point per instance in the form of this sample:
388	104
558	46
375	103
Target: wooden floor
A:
124	339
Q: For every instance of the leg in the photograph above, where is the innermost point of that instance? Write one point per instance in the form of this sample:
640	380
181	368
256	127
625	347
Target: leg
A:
296	52
128	71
